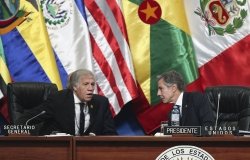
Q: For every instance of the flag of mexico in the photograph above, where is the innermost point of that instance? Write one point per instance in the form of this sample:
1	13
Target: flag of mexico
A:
207	41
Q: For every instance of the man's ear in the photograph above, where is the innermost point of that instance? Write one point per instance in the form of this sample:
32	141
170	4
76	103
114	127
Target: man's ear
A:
175	87
74	88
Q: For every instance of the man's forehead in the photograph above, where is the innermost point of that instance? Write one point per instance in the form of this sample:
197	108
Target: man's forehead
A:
88	76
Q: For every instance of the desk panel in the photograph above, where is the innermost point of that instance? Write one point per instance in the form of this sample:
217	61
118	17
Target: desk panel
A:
117	147
35	148
148	147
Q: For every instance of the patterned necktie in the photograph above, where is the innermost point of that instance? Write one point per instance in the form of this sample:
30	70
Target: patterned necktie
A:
82	119
179	108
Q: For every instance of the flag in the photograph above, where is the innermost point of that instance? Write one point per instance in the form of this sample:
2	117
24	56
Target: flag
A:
4	80
189	39
26	53
157	48
113	64
27	49
92	34
4	73
68	33
221	42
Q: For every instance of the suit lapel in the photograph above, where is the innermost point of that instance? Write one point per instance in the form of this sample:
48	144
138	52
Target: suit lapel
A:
184	108
92	112
71	111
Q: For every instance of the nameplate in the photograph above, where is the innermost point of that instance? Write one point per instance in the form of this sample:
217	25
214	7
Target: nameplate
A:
18	129
185	130
220	130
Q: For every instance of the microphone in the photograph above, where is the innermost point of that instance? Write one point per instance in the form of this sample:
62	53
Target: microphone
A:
217	112
41	113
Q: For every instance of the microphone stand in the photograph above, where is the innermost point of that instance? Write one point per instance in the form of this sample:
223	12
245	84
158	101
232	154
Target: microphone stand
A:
41	113
217	112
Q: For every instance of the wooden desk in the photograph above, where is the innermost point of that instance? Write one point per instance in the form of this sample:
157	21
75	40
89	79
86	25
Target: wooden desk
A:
116	147
148	148
35	148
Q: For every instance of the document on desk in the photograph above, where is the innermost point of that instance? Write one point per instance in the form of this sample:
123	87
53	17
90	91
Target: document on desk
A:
57	135
159	134
244	133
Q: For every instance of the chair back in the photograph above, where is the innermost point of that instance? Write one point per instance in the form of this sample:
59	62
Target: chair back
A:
234	105
23	96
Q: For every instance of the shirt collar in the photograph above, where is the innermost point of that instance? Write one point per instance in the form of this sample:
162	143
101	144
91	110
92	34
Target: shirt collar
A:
179	100
76	99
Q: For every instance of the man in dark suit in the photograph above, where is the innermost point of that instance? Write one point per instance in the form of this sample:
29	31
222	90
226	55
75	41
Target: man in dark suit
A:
194	108
76	110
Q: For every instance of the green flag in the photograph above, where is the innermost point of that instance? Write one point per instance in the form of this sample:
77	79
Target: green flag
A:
165	45
159	47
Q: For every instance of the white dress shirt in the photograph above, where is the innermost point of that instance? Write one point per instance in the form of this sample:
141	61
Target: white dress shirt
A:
77	115
179	102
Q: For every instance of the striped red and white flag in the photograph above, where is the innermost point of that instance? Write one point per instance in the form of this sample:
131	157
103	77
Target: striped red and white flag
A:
112	58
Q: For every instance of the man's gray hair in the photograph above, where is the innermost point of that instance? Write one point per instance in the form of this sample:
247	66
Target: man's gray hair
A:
74	77
173	77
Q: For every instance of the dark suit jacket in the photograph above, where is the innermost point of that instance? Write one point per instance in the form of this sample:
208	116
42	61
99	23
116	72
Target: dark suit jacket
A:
60	115
196	110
